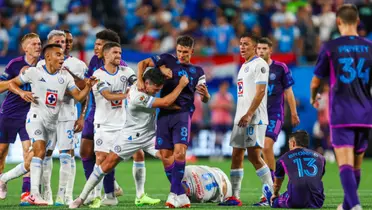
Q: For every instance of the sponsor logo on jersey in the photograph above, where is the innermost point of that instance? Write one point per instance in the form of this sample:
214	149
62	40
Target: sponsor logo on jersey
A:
61	80
116	104
199	188
51	99
240	87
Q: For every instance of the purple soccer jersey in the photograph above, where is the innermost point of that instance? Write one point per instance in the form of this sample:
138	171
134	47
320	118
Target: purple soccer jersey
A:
14	109
280	78
346	61
94	64
305	169
174	126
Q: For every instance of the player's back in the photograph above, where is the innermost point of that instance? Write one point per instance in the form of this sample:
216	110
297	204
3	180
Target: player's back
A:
349	59
195	74
305	169
14	106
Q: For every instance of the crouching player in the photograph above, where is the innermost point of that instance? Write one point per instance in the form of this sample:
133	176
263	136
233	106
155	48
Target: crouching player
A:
305	169
206	184
139	130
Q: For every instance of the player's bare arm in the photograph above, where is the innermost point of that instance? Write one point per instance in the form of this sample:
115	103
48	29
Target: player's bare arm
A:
80	83
260	93
113	96
4	86
314	87
292	106
81	95
79	124
276	187
169	99
203	91
14	87
142	65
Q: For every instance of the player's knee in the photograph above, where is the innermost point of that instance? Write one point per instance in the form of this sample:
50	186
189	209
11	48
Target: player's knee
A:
267	150
139	156
39	153
179	155
27	164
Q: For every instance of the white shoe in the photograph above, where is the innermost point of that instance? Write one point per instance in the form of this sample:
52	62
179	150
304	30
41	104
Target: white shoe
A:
357	207
37	200
171	201
68	200
118	192
3	190
47	195
183	201
77	203
109	201
90	198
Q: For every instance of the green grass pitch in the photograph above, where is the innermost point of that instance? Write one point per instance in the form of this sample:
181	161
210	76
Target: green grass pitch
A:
158	186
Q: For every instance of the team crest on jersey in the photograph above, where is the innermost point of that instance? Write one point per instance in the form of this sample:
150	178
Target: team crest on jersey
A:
61	80
192	70
51	99
116	104
272	76
240	87
246	69
123	79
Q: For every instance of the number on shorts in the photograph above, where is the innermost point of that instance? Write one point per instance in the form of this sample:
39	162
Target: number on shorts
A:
70	134
184	134
250	130
271	127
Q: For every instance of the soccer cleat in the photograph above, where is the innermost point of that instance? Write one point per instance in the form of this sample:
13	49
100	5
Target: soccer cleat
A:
118	192
37	200
171	201
109	201
266	190
96	203
146	200
3	190
231	201
59	201
89	199
77	203
24	199
183	201
68	200
48	195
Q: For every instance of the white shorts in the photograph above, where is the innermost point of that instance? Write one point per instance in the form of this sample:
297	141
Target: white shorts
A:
127	145
103	140
251	136
37	130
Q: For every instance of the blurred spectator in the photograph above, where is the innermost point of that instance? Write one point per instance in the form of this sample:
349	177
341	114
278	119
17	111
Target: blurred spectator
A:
248	14
77	17
46	19
294	5
196	126
4	41
223	36
278	18
326	21
221	107
60	6
287	36
264	17
229	10
14	33
365	14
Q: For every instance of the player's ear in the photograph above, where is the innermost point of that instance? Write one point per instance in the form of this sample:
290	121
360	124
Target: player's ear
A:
338	21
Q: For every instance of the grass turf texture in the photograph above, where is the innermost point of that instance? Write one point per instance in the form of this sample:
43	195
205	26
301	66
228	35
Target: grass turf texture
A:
157	186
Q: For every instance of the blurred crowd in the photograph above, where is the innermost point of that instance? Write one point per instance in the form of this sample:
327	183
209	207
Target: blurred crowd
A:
296	26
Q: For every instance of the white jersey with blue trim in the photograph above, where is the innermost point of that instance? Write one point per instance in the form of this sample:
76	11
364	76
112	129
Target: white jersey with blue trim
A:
110	115
251	73
48	90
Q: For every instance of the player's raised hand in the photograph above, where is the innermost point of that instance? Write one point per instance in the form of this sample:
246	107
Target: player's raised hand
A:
184	81
167	72
140	85
91	81
27	96
245	120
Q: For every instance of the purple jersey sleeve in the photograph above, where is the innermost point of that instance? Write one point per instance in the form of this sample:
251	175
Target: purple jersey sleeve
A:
279	170
91	67
287	79
163	59
322	65
8	73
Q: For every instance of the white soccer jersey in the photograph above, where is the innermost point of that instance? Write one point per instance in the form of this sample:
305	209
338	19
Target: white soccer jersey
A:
205	184
139	113
48	89
110	115
78	68
250	74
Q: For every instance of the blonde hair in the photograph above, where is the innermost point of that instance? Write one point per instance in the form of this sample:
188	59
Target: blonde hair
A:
28	36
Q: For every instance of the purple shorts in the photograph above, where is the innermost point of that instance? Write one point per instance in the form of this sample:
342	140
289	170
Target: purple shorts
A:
274	127
173	129
9	129
88	130
287	201
354	137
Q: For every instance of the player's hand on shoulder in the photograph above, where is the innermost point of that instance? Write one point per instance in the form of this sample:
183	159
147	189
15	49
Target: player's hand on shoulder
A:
91	81
28	96
167	72
24	69
184	81
140	85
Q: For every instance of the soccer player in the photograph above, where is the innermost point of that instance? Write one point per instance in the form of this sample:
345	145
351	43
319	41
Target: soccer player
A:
206	184
173	126
305	169
87	144
49	87
14	109
346	61
139	130
250	119
67	122
280	86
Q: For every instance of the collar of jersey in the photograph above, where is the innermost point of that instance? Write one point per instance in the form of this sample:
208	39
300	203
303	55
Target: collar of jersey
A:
24	58
117	70
254	57
44	67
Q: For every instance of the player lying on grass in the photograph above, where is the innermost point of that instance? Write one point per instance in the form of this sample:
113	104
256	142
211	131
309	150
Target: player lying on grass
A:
206	184
139	130
305	169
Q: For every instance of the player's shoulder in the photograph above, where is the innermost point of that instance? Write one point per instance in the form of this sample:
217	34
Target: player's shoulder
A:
40	62
15	61
196	69
99	72
280	65
164	56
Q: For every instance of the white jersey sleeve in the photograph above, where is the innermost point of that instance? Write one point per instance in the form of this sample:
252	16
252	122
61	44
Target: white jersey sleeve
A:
142	100
40	63
70	82
261	73
28	75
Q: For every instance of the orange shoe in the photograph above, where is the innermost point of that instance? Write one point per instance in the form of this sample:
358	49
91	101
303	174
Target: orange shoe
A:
24	199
